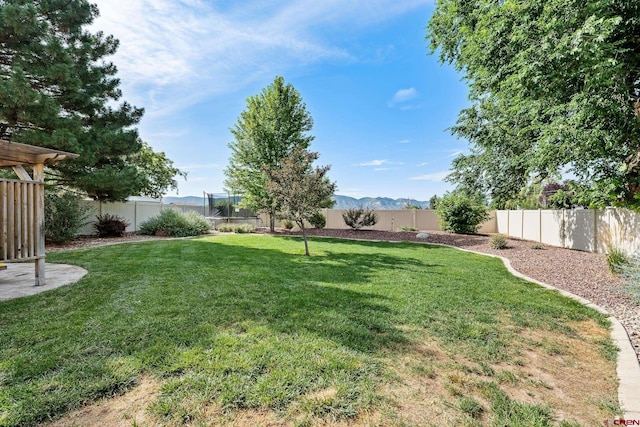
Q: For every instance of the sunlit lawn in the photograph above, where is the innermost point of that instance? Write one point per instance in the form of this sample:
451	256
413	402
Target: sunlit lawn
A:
359	333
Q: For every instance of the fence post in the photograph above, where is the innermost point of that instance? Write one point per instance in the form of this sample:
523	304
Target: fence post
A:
540	224
595	230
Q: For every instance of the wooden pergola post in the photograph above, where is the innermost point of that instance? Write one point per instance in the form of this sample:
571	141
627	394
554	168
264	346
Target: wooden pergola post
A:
22	203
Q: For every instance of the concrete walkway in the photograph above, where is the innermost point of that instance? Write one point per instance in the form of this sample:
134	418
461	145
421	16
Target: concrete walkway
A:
19	278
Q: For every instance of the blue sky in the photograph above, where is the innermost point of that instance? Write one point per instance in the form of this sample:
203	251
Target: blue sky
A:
380	103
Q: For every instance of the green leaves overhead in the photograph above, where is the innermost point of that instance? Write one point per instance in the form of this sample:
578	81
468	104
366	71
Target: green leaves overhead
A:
555	86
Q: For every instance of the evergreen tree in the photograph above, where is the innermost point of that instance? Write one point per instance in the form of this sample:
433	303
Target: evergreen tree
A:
58	91
274	123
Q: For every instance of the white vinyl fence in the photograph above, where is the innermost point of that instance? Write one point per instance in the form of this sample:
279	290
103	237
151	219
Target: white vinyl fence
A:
135	213
592	230
392	220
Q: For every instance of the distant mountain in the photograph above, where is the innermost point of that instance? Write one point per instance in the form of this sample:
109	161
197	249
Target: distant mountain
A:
342	202
381	203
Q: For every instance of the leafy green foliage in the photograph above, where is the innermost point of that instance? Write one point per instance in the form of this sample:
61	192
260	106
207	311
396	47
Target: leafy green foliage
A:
64	215
299	189
554	86
357	218
174	223
108	225
498	241
318	220
630	271
407	228
287	224
57	90
616	259
274	123
433	201
459	213
236	228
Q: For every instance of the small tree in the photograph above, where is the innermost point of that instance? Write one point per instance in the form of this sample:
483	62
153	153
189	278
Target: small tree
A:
356	218
433	201
299	189
460	213
274	123
64	215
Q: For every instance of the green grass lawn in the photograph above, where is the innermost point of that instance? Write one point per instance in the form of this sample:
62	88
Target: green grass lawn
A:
359	333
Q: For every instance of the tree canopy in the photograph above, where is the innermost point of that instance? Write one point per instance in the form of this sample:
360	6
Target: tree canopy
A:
58	91
555	88
274	123
300	189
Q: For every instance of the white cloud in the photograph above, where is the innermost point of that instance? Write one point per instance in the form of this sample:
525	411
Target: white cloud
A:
175	53
404	141
455	153
404	95
374	163
381	169
419	165
433	177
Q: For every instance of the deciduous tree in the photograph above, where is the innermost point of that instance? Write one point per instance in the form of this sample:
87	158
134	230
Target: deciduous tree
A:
300	189
555	86
274	124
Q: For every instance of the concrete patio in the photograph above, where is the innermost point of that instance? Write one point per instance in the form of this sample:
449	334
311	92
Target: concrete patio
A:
18	279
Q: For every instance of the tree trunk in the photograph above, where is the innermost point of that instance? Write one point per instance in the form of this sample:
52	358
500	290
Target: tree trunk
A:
272	222
304	237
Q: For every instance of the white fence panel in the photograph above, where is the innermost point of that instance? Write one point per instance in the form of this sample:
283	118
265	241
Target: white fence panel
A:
530	231
580	229
552	228
502	222
515	224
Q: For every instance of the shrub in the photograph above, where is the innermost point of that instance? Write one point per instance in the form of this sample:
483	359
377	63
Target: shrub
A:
407	228
236	228
616	259
110	225
318	220
458	213
630	271
244	228
537	246
64	216
287	224
356	218
498	241
225	228
176	224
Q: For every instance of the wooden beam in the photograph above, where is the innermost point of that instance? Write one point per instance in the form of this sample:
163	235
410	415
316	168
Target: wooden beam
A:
22	173
38	176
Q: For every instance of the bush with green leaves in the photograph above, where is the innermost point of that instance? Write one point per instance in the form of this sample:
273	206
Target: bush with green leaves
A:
407	228
357	218
318	220
616	259
174	223
64	215
287	224
108	225
244	229
459	213
236	228
498	241
630	271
